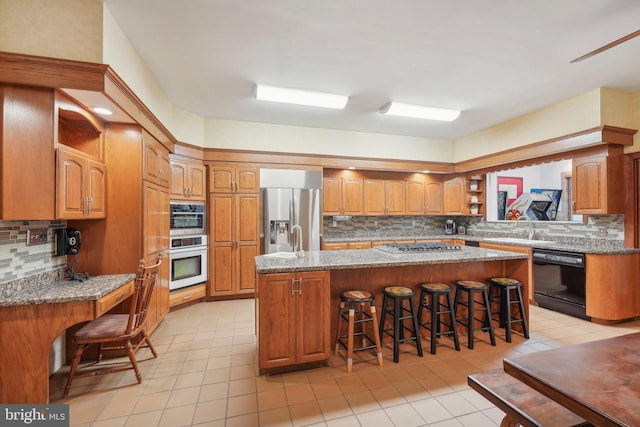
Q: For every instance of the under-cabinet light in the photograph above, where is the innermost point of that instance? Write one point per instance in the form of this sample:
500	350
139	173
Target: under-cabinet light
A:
300	97
419	112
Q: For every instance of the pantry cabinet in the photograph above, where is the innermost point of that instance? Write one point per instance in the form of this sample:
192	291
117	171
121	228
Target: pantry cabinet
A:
188	180
234	241
293	319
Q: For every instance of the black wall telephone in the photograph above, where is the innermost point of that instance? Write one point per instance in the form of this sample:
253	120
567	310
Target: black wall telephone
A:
68	242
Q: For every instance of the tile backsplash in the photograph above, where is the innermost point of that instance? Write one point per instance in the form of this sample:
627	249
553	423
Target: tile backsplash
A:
406	226
17	260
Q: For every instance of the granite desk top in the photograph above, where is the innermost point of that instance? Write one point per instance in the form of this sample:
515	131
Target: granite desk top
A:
55	287
370	258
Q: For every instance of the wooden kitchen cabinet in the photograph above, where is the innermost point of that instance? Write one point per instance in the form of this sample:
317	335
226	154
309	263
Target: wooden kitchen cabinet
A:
454	195
234	178
188	179
383	197
27	155
597	182
334	246
155	166
293	319
433	196
342	195
187	295
136	224
234	240
414	197
612	293
358	245
80	186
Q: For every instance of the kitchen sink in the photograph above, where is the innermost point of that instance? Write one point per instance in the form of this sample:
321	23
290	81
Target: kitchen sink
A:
519	241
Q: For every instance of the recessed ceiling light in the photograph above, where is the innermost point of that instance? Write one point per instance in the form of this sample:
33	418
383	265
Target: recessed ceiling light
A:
300	97
103	111
419	112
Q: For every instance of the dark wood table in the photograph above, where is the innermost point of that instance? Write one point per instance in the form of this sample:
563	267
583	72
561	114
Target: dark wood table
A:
599	380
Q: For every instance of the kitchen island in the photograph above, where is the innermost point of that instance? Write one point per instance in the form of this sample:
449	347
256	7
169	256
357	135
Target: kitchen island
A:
297	298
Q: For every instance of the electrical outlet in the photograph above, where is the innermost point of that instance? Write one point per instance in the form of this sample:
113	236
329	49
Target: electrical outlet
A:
335	223
37	236
413	222
602	230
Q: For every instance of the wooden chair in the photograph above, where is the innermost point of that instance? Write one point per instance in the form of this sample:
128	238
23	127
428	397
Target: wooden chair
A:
119	330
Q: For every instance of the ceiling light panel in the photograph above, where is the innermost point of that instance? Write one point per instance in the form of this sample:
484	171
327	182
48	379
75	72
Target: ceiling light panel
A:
419	112
300	97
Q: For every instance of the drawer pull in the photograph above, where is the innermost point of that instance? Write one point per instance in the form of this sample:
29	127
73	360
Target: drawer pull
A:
187	296
120	297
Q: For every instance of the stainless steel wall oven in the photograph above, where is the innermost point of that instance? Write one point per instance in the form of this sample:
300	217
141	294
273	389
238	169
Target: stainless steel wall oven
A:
187	218
188	258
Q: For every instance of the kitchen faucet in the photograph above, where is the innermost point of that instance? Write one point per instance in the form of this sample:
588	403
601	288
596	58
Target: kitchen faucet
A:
531	226
297	240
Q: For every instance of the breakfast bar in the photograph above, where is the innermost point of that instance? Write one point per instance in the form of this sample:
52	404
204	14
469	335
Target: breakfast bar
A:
297	297
33	312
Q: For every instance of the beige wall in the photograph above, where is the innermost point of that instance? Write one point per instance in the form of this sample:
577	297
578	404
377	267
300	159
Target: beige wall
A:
68	29
297	139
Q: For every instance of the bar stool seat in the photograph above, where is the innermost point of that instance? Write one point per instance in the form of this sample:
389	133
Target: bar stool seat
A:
431	295
504	287
397	295
471	288
358	301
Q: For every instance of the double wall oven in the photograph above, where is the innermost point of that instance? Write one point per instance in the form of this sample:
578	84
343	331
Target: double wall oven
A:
188	252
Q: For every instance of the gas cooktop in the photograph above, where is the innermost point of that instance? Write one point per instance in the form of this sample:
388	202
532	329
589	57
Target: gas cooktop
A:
399	248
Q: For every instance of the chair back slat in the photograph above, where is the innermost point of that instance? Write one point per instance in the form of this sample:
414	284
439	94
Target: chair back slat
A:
143	290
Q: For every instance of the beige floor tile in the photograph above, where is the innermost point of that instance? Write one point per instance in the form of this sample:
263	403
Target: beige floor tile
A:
299	394
110	422
271	399
248	420
242	405
84	412
456	404
351	384
350	421
279	417
388	396
404	415
243	386
151	402
306	413
210	411
145	419
363	401
118	407
376	418
178	416
183	396
214	391
431	410
326	388
334	407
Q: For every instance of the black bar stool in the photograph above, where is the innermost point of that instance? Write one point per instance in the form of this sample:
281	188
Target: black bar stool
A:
431	295
504	286
358	301
471	288
397	295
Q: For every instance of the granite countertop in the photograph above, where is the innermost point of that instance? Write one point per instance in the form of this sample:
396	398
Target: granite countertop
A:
370	258
570	244
55	287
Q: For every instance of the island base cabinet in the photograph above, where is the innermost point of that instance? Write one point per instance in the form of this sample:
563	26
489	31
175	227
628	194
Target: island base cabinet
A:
293	319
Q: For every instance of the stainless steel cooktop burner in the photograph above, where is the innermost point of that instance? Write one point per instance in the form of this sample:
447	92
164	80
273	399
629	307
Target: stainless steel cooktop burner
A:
399	248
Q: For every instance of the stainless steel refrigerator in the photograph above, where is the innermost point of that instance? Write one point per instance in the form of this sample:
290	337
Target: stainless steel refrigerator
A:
290	198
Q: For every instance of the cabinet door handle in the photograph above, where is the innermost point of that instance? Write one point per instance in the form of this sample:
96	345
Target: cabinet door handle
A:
293	285
90	204
300	287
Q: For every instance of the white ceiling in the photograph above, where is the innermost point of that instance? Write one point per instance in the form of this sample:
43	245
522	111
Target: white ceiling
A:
493	59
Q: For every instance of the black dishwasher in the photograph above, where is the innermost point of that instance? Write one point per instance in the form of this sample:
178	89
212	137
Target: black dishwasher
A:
559	281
